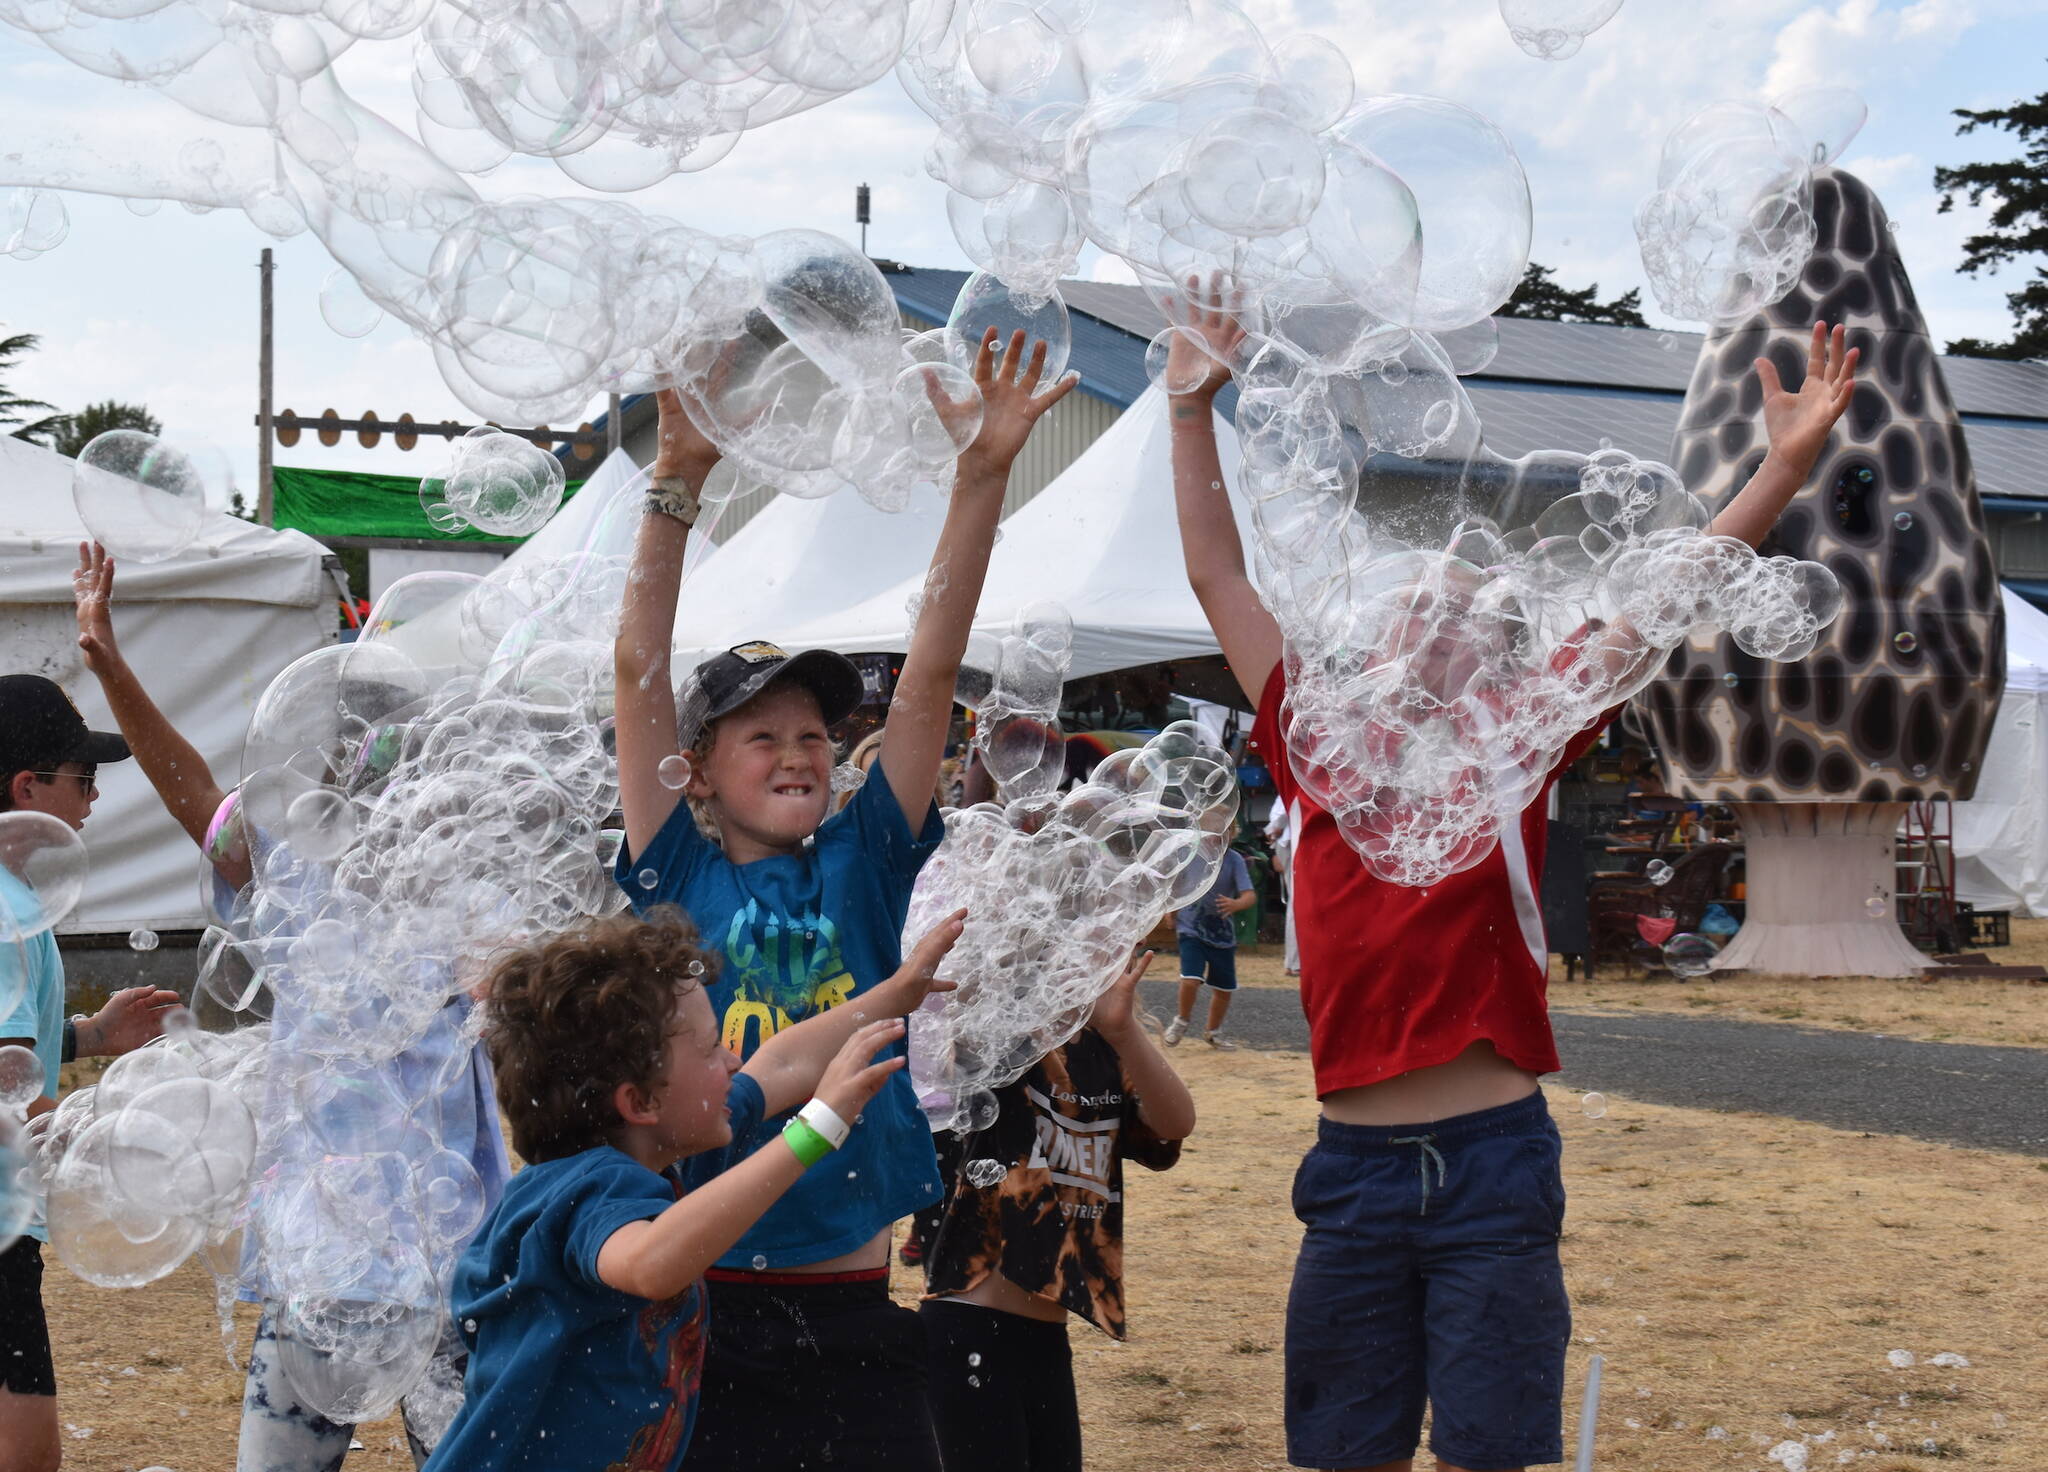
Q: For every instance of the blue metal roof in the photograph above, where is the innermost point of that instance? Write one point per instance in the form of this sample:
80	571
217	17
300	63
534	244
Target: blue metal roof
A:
1553	385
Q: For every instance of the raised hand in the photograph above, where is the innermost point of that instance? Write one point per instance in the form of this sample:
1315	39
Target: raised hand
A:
851	1079
1197	356
681	448
92	596
1798	423
1010	403
1116	1010
917	978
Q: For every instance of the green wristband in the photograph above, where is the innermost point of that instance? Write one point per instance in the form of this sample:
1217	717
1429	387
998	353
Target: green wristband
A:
805	1143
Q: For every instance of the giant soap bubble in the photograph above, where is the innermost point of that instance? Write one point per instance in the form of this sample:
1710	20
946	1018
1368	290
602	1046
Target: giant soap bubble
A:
141	497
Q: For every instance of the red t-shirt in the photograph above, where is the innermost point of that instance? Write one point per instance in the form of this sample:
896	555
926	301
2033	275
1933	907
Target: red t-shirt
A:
1395	978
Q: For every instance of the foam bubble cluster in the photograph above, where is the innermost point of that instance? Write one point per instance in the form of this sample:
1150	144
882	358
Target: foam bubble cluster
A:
1730	226
1430	699
496	482
1057	888
407	803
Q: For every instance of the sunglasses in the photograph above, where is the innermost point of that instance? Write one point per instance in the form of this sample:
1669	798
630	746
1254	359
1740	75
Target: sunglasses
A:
87	781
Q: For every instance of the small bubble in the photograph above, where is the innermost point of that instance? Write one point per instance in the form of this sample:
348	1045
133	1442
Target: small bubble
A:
673	772
974	1381
1903	521
1919	769
1658	872
469	1326
142	939
647	878
1905	641
1595	1105
1729	679
974	1360
984	1173
1667	342
760	1263
1874	907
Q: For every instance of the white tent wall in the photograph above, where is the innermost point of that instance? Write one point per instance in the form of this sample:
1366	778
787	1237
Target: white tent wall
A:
206	630
2001	835
1102	541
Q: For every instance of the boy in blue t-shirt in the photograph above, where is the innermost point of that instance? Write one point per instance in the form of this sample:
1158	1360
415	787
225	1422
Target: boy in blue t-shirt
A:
1207	932
727	797
582	1298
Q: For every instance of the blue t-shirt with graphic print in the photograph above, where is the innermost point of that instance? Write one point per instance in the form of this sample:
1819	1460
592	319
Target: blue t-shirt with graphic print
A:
801	933
565	1371
31	998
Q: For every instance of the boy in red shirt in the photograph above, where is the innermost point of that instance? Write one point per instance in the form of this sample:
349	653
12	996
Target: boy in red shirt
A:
1433	1198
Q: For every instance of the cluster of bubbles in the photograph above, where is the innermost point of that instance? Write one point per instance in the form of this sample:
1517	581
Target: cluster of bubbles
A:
499	483
1432	691
407	804
1555	29
1730	226
1058	887
143	497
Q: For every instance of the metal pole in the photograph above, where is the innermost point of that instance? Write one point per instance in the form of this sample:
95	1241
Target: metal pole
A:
264	499
614	430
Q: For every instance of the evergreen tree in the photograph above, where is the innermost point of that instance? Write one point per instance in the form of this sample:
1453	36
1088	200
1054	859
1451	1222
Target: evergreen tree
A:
16	410
2018	228
1540	296
88	424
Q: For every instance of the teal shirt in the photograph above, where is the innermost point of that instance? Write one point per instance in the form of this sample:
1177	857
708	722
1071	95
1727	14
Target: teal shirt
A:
31	991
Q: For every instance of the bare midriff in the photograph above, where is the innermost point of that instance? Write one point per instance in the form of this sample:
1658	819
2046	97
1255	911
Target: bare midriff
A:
998	1292
871	1254
1478	1078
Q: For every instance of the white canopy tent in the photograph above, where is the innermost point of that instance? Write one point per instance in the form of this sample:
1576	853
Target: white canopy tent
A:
1102	541
2001	835
207	630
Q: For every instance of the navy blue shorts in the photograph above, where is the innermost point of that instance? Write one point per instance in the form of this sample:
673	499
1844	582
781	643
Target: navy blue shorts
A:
1200	961
1429	1274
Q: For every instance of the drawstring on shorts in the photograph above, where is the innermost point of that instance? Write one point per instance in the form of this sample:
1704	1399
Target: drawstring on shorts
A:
1425	1154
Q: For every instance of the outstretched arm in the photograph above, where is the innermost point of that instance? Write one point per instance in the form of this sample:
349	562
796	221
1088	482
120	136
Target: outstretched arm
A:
1247	632
914	737
1798	424
647	620
661	1257
788	1065
184	783
1164	1102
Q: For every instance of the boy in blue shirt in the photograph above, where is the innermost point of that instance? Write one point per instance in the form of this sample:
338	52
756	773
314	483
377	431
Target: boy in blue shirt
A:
807	912
581	1298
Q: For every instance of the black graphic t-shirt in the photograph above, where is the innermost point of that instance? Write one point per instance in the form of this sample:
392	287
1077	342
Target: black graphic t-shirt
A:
1050	1218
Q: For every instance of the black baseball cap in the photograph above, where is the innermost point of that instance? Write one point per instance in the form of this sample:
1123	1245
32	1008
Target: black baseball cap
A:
725	682
40	727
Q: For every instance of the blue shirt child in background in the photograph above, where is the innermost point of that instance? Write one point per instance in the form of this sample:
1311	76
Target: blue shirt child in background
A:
1207	931
582	1297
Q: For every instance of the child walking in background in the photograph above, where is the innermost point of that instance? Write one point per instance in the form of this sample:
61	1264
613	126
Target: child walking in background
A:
1207	933
1032	1230
581	1297
810	1364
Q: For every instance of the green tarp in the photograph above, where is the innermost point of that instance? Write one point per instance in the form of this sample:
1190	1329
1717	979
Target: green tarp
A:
325	504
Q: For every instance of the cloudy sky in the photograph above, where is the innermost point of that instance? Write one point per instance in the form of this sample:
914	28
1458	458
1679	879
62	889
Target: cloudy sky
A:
162	309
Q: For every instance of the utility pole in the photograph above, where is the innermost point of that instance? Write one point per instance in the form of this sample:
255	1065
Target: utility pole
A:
264	507
614	430
860	215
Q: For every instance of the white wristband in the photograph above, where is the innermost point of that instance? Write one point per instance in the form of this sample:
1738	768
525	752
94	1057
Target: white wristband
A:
823	1118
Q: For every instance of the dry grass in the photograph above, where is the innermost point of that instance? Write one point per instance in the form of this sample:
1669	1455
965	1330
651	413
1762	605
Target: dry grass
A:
1735	1271
1936	1007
